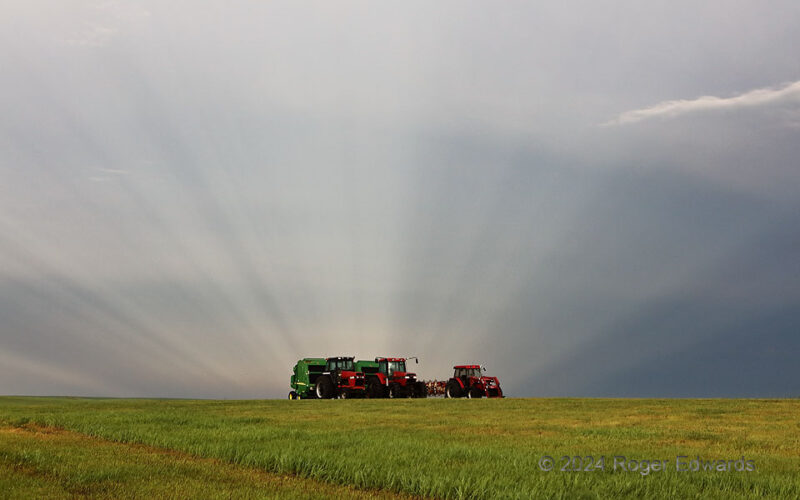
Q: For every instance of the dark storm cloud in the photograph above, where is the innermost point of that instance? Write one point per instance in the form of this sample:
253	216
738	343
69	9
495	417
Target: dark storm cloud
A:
193	197
704	276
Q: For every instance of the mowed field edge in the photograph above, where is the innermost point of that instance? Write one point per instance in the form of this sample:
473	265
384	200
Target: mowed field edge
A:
443	448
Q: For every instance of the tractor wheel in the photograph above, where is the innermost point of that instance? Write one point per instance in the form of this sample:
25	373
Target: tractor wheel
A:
420	390
293	395
324	388
344	395
474	394
375	389
452	390
394	391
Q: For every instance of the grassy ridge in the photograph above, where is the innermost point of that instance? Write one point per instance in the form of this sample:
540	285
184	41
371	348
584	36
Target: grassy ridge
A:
43	462
460	448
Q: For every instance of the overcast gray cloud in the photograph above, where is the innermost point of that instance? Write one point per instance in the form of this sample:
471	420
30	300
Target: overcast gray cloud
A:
194	196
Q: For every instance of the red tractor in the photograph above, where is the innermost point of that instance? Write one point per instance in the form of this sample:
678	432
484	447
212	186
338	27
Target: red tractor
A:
468	381
340	380
387	377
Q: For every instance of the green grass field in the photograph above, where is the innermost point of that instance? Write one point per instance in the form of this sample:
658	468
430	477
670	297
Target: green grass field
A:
124	448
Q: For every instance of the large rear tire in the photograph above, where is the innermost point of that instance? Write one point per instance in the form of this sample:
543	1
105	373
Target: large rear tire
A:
324	388
375	389
452	390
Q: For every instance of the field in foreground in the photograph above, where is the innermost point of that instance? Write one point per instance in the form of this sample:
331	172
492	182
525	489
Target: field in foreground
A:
123	448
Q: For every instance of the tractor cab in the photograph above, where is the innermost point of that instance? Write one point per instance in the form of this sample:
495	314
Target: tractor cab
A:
390	366
467	371
394	370
339	364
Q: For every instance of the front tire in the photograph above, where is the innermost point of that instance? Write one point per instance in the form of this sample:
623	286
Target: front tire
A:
324	388
420	390
394	392
293	395
474	394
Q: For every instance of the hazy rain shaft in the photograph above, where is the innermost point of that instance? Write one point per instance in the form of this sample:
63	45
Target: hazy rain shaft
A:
591	200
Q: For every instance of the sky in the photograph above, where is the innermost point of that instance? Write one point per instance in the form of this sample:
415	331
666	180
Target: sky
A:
589	198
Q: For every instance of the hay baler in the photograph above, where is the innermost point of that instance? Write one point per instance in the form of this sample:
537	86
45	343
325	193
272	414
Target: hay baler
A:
304	377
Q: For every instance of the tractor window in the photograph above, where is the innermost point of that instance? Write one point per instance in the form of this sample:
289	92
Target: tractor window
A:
397	366
341	364
383	367
473	372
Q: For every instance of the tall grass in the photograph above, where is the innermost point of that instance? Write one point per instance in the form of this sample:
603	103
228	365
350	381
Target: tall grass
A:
461	449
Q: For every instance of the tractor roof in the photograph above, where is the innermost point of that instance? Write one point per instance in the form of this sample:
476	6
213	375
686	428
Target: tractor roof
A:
337	358
313	360
468	366
389	359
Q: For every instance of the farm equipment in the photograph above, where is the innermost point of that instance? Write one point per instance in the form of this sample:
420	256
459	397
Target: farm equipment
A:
469	381
326	378
304	377
387	377
341	377
435	387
